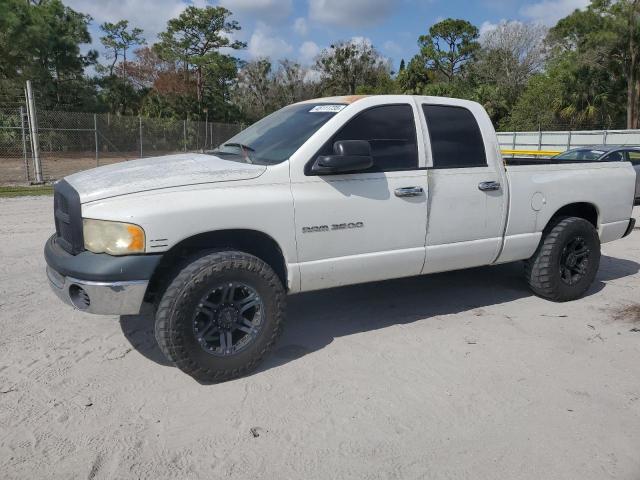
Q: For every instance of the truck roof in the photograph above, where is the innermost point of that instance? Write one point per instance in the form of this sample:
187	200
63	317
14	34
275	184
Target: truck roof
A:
349	99
337	99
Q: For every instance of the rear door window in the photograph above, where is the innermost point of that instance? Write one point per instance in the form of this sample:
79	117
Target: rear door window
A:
456	141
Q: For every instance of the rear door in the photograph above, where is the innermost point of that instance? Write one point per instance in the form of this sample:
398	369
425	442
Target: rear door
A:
468	200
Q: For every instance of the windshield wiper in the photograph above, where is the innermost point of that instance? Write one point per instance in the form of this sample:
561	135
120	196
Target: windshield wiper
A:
240	145
245	149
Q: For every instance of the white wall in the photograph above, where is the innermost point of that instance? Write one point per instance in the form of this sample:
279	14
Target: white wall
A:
565	140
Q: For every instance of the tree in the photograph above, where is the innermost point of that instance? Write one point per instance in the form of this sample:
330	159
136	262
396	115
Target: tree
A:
537	106
118	38
450	44
42	42
293	83
117	92
262	88
509	56
567	95
414	78
605	38
628	19
195	38
255	88
345	66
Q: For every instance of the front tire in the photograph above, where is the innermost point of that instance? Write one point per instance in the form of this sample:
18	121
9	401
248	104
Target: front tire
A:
220	315
566	261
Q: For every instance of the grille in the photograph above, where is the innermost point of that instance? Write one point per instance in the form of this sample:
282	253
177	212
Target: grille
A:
68	217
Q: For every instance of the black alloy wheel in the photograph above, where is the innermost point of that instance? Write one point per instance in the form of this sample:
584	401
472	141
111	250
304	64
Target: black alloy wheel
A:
228	318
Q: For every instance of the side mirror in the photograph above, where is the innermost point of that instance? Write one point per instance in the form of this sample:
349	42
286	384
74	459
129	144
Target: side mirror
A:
348	156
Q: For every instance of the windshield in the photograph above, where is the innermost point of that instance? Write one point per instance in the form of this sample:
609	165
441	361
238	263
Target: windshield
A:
276	137
581	154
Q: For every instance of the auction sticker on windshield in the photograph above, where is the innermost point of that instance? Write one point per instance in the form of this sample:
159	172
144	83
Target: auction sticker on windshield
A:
327	108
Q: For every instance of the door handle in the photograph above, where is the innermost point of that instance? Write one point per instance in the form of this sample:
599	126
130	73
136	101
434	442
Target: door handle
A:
409	191
489	186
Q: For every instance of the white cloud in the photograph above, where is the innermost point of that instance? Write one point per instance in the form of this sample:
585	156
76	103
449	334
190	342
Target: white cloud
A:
351	13
300	27
392	48
264	9
548	12
359	40
308	52
487	27
264	44
150	15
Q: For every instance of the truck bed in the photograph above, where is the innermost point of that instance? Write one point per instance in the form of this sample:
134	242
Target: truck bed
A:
539	188
542	161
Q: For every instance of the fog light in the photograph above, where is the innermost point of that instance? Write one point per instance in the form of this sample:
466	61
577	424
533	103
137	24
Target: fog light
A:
79	297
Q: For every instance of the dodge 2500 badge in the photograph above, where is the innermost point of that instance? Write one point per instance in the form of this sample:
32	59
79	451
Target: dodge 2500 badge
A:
322	193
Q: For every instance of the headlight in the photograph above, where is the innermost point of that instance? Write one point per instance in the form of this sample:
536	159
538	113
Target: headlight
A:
114	238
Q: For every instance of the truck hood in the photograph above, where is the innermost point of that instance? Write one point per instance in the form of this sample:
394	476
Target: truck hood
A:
155	173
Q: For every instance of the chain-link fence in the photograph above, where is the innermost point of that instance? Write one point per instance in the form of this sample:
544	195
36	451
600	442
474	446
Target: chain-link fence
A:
72	141
15	148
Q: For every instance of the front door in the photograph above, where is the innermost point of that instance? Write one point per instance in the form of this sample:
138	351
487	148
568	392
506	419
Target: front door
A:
368	225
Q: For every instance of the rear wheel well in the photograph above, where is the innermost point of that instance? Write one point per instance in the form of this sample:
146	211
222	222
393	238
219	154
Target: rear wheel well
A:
253	242
584	210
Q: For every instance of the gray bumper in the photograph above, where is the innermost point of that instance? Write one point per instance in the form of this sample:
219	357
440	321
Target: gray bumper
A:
104	298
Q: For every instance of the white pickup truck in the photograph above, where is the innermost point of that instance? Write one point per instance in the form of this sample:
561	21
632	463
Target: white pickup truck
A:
322	193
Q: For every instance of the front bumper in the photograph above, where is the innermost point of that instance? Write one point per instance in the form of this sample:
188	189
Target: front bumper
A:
99	283
103	298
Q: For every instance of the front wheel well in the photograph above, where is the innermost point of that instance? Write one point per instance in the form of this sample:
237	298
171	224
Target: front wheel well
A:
253	242
587	211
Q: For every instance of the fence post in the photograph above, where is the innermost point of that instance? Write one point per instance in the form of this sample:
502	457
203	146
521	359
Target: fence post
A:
24	145
206	131
140	121
184	133
95	137
604	137
539	138
569	141
33	129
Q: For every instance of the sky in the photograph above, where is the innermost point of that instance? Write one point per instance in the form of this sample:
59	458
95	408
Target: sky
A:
300	29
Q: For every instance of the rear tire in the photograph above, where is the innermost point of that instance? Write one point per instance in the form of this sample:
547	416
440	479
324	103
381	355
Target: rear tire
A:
566	261
220	315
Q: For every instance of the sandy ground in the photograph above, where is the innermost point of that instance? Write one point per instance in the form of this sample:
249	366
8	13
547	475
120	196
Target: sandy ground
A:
462	375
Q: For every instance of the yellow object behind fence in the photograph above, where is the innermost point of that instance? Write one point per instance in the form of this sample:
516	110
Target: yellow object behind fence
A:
539	153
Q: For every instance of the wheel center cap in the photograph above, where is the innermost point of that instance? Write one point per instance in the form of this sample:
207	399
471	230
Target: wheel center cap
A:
571	260
227	317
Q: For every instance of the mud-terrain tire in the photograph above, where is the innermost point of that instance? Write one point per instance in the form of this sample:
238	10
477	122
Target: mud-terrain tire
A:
203	311
566	261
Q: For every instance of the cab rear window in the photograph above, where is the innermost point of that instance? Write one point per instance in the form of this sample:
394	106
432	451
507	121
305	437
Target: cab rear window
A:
456	141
